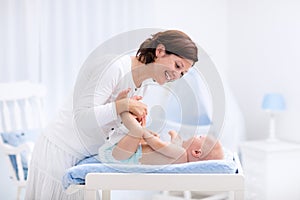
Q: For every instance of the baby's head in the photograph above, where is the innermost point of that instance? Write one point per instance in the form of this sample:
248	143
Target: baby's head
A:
203	148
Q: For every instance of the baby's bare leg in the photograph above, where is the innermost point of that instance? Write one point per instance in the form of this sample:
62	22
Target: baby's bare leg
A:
129	144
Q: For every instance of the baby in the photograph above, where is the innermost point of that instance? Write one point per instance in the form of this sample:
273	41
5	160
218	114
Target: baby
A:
142	146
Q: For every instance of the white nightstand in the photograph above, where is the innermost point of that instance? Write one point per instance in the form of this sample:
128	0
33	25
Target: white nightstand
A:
272	170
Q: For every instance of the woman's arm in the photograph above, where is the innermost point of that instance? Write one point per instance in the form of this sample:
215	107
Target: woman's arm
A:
133	106
92	107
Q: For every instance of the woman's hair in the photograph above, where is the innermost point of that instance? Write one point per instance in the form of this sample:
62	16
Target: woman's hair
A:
175	42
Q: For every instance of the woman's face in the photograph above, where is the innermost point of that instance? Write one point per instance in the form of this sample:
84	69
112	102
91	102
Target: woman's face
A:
169	67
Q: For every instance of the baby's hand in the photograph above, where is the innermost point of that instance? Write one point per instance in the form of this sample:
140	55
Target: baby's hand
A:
141	121
175	138
136	97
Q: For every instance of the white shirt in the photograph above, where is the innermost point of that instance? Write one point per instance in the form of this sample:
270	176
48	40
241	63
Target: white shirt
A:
89	117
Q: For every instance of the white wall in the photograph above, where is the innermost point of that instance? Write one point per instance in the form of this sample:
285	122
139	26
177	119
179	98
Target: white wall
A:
264	56
204	21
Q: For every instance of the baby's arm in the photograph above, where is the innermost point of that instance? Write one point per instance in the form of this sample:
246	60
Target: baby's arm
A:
168	149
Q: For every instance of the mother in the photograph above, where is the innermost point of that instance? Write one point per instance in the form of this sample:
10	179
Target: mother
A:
79	130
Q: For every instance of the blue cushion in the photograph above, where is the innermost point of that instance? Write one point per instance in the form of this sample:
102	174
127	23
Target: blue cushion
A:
15	139
76	175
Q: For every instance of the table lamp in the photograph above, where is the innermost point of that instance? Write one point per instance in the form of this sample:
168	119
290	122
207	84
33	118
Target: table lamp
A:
273	103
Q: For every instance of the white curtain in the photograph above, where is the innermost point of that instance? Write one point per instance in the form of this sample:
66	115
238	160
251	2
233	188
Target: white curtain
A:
46	41
19	40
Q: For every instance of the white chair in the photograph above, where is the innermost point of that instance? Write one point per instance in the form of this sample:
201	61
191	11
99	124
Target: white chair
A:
21	109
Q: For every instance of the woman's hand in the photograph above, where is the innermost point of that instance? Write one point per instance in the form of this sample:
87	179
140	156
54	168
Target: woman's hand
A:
123	94
132	105
138	109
